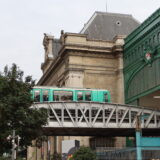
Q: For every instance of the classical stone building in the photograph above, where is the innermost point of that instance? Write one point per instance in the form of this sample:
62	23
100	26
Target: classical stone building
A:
92	58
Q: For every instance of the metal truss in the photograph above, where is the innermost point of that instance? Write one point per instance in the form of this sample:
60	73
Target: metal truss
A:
98	115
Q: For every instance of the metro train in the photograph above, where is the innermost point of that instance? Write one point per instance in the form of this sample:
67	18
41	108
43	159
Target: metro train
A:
51	94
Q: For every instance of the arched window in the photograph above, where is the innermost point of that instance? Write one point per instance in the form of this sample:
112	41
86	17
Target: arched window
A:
45	95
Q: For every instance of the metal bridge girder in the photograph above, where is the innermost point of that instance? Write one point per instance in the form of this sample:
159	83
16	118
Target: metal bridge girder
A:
98	115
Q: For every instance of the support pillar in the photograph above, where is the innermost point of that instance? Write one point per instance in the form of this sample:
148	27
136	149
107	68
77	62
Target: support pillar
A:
138	145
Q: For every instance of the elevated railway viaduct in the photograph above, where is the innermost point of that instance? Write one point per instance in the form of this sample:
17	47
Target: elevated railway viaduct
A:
98	119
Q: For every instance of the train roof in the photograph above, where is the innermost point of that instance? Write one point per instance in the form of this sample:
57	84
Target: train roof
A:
55	87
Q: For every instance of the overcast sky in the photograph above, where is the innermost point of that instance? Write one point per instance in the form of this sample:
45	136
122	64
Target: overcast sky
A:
23	22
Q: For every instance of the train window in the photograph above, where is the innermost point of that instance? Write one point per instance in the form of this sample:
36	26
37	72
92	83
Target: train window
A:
80	96
63	96
56	96
88	96
105	97
45	95
66	96
37	96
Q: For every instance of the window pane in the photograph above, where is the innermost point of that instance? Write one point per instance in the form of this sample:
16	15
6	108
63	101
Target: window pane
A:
80	96
45	95
66	96
88	96
105	97
37	96
56	96
63	96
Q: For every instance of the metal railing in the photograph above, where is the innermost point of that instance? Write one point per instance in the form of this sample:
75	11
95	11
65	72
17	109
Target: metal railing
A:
129	153
98	115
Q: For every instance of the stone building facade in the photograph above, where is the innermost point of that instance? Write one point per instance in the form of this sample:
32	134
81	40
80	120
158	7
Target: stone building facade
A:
92	58
85	63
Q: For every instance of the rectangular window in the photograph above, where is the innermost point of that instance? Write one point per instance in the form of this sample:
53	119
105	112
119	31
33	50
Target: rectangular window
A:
87	96
37	96
63	96
56	96
45	95
80	96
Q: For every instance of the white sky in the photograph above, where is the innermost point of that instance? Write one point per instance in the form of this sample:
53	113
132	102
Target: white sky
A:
23	22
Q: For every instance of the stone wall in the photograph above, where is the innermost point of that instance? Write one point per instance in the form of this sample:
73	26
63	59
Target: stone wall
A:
85	63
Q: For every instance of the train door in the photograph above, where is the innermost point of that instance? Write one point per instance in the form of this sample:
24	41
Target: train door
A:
45	95
37	95
88	95
105	96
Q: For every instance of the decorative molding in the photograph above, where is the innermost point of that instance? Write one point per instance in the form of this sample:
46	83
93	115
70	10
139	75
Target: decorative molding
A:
145	24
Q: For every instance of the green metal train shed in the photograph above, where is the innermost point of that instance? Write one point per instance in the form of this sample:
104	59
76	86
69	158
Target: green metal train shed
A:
142	63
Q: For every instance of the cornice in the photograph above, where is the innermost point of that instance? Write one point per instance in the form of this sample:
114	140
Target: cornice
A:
46	74
79	42
87	47
43	65
142	36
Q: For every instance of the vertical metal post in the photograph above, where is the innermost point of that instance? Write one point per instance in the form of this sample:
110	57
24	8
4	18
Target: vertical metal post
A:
106	6
13	146
117	117
76	115
138	145
90	115
138	139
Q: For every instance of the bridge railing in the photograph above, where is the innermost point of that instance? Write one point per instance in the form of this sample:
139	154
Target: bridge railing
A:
98	115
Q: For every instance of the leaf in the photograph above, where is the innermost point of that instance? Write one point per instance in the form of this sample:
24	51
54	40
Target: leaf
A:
15	111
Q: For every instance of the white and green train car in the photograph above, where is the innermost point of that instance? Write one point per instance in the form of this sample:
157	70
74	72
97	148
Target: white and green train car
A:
51	94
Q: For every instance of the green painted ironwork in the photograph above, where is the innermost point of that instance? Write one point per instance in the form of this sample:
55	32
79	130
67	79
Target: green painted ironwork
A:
142	59
146	143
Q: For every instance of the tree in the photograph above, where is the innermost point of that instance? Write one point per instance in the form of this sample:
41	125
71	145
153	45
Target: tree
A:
15	111
56	156
84	153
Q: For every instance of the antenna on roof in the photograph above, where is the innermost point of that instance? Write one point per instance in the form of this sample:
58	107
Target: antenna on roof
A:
106	6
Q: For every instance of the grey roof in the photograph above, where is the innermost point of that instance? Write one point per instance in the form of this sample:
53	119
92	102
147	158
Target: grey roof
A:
56	47
105	26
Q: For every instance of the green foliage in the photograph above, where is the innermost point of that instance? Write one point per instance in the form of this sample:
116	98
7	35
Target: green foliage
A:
5	158
84	153
2	158
56	156
15	111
